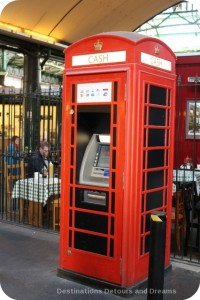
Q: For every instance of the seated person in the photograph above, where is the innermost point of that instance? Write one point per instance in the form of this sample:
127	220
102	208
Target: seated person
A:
38	162
13	154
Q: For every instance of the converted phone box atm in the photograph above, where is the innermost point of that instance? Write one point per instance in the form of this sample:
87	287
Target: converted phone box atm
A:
117	155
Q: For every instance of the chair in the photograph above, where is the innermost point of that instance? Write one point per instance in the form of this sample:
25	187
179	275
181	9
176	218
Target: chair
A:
178	218
194	227
192	214
10	179
56	212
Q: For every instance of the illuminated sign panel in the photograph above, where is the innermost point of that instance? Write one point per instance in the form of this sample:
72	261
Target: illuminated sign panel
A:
156	61
99	58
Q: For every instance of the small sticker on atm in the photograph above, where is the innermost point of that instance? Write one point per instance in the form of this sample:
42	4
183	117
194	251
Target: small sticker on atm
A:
106	173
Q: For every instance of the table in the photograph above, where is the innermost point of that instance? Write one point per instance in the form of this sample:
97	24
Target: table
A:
36	193
36	190
187	176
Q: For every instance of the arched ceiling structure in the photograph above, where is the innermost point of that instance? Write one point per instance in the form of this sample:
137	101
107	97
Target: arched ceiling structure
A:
66	21
52	25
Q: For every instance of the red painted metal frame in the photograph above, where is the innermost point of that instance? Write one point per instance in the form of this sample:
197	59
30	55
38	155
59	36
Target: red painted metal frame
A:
129	265
78	257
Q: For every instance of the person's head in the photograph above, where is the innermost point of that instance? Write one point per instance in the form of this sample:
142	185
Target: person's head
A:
15	140
44	148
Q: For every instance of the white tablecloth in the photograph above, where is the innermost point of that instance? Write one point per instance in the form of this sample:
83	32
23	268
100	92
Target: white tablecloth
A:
36	190
187	176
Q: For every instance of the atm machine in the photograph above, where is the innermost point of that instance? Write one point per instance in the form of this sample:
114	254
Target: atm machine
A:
95	163
95	168
117	155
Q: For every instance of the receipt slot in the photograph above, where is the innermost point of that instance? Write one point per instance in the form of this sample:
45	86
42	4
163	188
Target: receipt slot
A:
117	145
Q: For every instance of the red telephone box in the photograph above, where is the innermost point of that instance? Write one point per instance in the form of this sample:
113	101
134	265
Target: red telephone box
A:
117	154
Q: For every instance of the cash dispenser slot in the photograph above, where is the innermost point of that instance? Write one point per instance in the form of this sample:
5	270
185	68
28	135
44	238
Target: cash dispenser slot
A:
94	197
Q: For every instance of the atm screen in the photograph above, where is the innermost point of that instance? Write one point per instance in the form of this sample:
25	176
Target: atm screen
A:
104	156
95	164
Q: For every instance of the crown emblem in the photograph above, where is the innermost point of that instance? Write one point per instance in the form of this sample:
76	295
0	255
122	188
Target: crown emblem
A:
98	45
156	50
